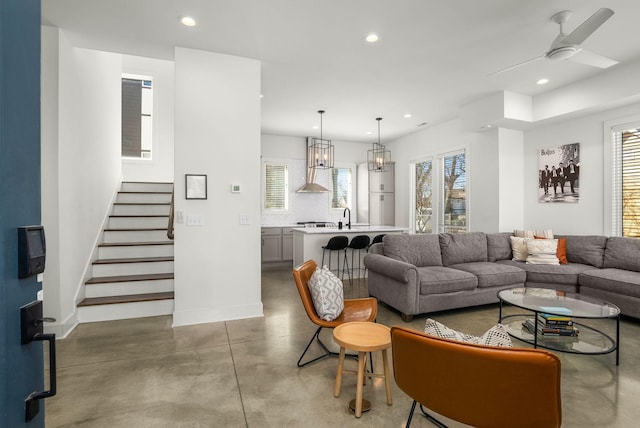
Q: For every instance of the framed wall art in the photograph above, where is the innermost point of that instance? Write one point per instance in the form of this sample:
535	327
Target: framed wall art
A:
196	186
559	174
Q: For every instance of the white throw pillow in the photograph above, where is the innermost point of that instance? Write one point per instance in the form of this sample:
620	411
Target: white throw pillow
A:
519	248
327	294
545	233
495	336
542	252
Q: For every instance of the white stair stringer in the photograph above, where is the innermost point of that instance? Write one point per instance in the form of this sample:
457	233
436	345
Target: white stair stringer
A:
133	275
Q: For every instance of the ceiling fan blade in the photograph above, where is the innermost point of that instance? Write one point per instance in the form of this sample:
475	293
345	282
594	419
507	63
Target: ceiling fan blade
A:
585	57
520	64
587	28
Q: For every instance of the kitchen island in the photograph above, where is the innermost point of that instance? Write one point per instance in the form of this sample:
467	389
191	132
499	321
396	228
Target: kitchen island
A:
308	242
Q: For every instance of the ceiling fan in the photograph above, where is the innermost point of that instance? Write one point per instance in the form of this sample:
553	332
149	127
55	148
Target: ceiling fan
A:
567	46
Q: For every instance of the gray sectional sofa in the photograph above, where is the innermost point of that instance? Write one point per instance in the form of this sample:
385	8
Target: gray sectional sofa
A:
423	273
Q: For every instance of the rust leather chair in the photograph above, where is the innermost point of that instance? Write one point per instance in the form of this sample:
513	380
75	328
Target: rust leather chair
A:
482	386
365	309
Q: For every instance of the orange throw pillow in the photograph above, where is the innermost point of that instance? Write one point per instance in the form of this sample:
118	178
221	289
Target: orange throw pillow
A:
561	251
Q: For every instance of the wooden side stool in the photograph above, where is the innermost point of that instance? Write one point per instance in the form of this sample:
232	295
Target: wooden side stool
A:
362	337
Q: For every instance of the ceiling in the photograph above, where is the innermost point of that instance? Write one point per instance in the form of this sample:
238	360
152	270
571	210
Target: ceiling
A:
432	56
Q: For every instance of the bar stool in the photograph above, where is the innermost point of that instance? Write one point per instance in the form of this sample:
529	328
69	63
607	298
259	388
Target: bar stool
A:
358	242
338	243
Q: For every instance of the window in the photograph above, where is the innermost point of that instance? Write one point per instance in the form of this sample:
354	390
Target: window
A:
423	193
137	106
276	186
341	188
454	203
625	193
440	194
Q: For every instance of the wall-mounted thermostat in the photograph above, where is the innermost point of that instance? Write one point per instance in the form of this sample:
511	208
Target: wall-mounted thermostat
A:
235	188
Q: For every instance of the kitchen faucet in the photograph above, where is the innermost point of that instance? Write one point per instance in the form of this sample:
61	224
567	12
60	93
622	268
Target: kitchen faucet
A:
344	214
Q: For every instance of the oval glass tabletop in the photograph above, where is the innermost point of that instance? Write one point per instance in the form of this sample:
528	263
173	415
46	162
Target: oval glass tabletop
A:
557	302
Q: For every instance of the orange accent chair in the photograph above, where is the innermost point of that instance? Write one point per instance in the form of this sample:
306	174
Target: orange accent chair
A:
365	309
478	385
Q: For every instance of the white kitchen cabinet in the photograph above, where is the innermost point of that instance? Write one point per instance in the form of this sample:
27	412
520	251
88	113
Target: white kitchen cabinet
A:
382	207
382	181
287	244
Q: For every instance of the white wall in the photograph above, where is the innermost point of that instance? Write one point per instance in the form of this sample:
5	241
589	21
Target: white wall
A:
88	163
511	179
310	206
160	167
586	216
217	132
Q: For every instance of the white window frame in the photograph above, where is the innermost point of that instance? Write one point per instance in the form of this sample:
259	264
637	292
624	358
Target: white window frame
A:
287	195
437	184
613	173
352	189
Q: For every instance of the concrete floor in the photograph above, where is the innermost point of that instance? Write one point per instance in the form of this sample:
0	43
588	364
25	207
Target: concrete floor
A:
143	373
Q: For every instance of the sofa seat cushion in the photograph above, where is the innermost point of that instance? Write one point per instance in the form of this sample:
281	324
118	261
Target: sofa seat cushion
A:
421	249
618	281
493	274
552	274
439	279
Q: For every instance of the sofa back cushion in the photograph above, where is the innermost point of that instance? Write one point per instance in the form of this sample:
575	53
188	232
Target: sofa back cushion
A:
498	246
463	248
588	250
419	249
622	253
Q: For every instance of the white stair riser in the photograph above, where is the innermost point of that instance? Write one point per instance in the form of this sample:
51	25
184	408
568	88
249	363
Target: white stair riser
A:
140	210
146	187
127	288
118	269
138	222
135	236
135	251
124	311
141	198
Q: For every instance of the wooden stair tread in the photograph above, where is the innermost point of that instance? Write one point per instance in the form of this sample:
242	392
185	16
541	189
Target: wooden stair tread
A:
133	260
141	203
142	192
134	244
128	278
131	298
139	215
148	182
129	229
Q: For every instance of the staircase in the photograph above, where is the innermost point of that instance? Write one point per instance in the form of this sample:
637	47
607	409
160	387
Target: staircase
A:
133	274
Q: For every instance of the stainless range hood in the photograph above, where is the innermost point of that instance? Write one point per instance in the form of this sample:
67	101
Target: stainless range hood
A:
310	186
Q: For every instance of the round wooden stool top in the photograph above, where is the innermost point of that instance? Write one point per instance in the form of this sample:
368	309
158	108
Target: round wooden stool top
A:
363	336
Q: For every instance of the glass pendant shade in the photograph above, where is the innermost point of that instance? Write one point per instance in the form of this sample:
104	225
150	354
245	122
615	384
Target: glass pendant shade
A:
320	154
379	157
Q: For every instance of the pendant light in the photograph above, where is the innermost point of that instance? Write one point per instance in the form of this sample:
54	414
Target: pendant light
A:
379	157
320	150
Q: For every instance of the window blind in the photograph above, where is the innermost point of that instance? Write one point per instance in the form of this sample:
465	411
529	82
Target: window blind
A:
630	173
276	186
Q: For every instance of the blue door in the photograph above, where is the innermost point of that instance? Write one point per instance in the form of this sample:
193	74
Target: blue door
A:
21	366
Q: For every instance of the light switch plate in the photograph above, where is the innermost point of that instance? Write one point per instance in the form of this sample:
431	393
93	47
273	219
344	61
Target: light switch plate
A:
235	188
244	219
180	216
195	220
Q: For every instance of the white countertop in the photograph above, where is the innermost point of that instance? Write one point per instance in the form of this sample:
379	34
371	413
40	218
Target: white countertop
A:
354	229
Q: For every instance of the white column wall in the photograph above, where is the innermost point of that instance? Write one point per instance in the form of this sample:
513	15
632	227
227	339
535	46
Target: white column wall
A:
88	165
587	216
160	167
511	179
217	133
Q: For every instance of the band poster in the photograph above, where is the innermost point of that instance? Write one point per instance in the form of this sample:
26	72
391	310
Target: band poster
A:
559	174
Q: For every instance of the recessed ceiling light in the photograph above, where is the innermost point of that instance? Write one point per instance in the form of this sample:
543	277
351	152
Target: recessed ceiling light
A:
261	95
368	132
372	38
315	127
542	81
188	21
407	115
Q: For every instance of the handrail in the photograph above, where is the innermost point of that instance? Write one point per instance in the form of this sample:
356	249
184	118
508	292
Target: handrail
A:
170	225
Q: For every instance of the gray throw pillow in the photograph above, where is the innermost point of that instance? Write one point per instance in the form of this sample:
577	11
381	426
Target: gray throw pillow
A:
327	294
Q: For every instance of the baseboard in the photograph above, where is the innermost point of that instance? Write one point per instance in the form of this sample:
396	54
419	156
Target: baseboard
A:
227	313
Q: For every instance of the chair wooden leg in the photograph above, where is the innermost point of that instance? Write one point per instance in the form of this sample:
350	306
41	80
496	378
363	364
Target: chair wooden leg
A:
387	379
362	356
336	389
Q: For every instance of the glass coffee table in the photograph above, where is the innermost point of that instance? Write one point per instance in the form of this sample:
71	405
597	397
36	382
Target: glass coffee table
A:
562	308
